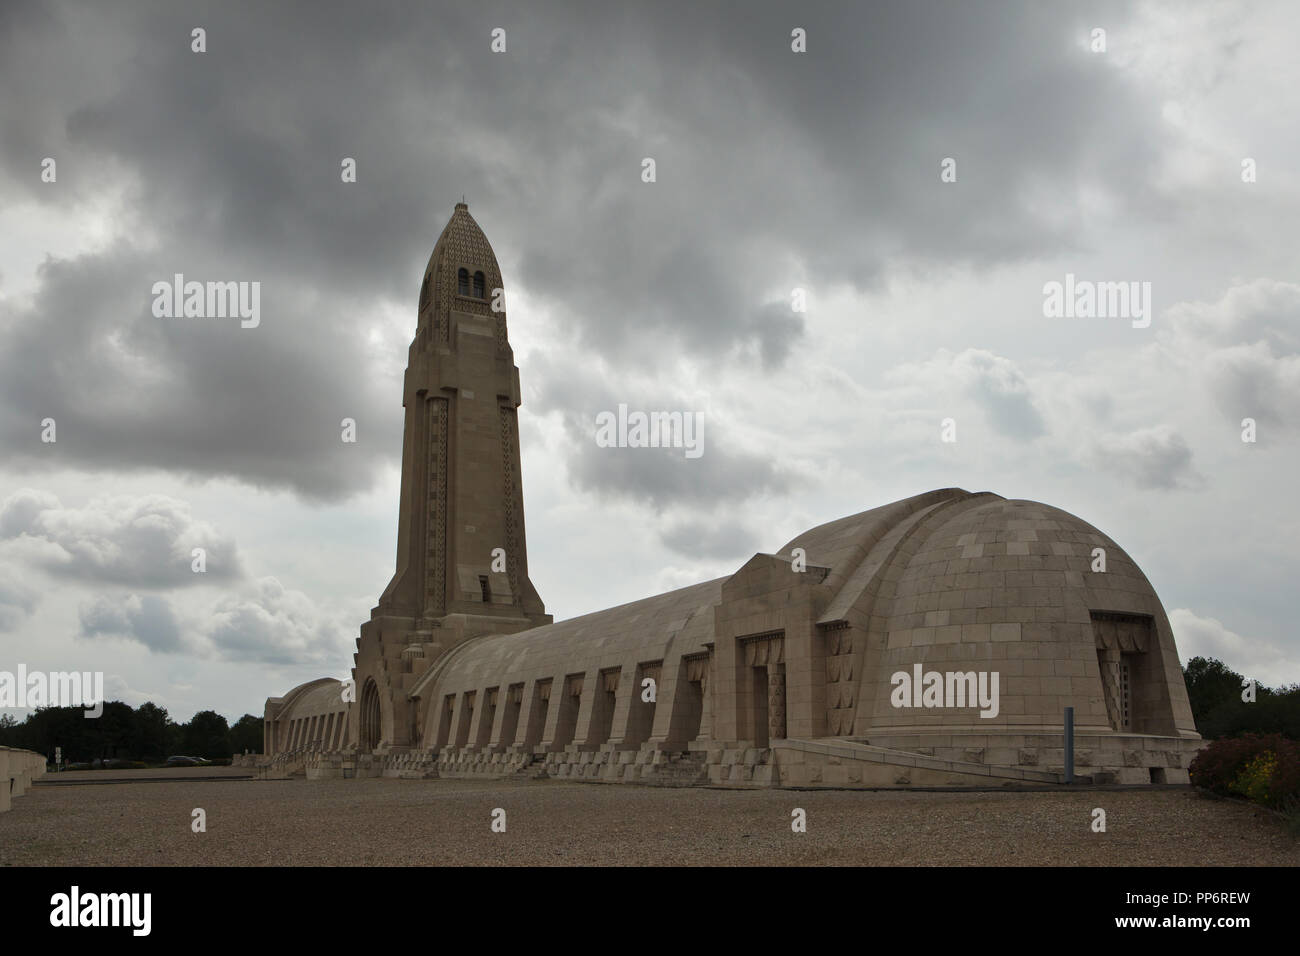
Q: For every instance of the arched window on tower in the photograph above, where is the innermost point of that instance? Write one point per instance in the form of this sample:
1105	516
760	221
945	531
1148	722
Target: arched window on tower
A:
462	282
479	286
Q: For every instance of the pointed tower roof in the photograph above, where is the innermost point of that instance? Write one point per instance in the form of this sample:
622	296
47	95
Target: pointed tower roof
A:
462	245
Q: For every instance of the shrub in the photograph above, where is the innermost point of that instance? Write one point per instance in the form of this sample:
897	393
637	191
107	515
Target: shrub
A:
1265	770
1291	810
1253	781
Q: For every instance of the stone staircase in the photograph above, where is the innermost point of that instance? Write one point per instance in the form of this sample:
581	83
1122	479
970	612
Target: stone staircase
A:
283	766
841	763
740	766
678	770
410	765
533	768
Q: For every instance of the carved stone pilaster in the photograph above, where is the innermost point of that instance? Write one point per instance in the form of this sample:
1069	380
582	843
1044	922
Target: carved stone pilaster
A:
776	701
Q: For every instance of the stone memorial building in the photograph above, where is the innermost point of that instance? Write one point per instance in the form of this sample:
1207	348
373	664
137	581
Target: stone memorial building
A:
936	640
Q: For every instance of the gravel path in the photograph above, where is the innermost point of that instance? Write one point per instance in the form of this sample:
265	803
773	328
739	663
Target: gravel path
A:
431	822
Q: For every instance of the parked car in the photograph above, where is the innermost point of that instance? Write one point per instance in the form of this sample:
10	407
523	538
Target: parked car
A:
179	761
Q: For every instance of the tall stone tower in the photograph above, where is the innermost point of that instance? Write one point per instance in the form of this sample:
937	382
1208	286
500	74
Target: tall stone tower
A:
462	562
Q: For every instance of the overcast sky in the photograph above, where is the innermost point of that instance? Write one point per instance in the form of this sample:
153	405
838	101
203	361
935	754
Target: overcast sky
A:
775	170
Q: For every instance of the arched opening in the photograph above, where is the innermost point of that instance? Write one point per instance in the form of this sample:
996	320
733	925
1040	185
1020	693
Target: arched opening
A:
370	717
479	285
462	281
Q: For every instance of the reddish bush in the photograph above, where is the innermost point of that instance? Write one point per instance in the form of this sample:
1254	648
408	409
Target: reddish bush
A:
1265	767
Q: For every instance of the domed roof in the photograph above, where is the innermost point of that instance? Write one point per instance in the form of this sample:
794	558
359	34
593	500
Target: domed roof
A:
312	699
842	545
1021	564
1008	586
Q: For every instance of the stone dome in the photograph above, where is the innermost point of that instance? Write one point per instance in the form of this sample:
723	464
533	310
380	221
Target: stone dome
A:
1010	585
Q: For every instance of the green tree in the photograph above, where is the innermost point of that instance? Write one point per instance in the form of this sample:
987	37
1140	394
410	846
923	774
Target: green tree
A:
113	731
149	742
67	727
175	738
246	734
207	735
1214	691
1211	684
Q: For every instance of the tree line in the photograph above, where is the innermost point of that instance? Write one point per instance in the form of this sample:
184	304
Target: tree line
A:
1219	705
146	733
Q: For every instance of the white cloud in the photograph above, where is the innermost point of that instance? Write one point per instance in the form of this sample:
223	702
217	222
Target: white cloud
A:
1198	636
1245	346
263	621
995	382
269	622
18	599
1157	457
149	620
137	541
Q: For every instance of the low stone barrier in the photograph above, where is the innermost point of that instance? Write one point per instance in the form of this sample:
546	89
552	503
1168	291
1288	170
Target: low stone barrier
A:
18	768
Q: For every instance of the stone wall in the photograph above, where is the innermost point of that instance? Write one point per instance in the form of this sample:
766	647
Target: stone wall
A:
1105	758
18	768
900	760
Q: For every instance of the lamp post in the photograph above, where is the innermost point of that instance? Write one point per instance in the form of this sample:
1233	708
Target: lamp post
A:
1069	745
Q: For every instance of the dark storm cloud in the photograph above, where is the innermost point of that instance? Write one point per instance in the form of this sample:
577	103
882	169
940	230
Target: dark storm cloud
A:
127	390
774	170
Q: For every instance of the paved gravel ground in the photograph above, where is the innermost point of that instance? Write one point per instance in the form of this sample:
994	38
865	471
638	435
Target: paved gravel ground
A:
431	822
